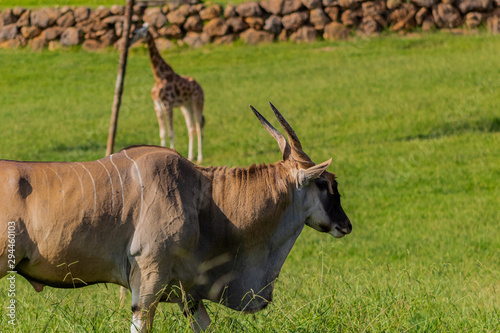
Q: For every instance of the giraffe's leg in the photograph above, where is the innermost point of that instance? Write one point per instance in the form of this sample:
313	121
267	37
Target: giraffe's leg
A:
170	119
198	102
199	131
188	115
160	114
197	314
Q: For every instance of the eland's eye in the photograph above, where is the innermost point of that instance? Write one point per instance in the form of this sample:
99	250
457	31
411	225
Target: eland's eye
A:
322	185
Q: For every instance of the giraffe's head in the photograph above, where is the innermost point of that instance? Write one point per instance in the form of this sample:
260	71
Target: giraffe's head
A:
139	34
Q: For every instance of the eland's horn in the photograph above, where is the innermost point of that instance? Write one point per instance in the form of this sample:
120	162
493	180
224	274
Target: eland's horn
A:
296	148
284	146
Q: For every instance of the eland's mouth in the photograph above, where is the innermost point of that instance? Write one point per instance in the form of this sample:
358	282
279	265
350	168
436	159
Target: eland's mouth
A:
339	232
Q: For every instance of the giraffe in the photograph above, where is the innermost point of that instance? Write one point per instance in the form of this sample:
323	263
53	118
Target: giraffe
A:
172	90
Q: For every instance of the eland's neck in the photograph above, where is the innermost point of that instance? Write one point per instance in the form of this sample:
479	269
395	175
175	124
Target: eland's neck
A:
250	203
254	222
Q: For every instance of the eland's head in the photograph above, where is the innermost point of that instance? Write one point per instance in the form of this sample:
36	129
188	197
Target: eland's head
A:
316	186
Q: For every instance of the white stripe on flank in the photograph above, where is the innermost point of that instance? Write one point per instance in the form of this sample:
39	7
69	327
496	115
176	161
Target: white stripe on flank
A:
48	189
62	187
95	193
35	189
81	184
121	183
112	190
140	182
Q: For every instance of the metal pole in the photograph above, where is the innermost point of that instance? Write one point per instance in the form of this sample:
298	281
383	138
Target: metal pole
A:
120	78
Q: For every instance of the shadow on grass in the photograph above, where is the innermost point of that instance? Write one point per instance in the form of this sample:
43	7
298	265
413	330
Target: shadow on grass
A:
456	128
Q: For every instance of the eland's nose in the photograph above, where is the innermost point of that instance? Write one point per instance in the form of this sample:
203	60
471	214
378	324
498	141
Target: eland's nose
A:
348	229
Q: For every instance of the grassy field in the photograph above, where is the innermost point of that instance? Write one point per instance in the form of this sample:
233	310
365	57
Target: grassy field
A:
413	128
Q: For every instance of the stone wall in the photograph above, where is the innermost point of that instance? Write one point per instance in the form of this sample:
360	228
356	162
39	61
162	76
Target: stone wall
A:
253	22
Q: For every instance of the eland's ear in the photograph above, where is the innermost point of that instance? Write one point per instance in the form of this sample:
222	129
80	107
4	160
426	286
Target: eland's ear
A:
304	176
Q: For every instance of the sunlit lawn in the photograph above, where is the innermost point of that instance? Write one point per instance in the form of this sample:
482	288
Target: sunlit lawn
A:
412	125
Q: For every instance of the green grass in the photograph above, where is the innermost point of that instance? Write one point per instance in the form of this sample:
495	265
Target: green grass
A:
413	126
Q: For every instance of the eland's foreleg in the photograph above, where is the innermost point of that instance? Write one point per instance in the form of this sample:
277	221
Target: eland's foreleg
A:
197	314
146	293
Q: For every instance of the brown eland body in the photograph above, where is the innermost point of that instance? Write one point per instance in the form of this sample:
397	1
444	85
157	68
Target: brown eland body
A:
148	219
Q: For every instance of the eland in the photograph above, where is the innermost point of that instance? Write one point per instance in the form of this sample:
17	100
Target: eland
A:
151	221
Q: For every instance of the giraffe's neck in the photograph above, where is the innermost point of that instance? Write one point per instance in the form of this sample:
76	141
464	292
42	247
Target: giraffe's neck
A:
160	68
